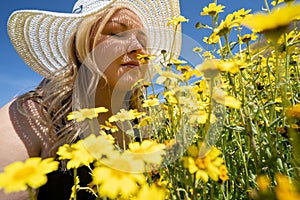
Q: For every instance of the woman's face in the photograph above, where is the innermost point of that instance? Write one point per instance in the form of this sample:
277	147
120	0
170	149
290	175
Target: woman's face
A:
122	38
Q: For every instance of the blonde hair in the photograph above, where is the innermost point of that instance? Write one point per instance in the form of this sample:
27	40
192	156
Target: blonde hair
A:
55	95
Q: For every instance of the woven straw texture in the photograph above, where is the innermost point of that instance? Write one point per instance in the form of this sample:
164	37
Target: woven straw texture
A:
39	36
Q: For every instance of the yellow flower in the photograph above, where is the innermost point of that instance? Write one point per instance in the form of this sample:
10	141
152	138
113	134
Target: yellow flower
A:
230	101
145	121
150	102
208	55
118	177
148	151
144	58
126	115
212	9
149	192
225	26
18	176
285	189
207	165
167	75
109	127
275	23
263	182
86	113
293	112
177	20
85	151
197	49
212	39
209	68
228	66
274	3
178	62
247	38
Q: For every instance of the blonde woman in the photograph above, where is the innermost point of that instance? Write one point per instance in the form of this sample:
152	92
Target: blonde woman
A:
88	59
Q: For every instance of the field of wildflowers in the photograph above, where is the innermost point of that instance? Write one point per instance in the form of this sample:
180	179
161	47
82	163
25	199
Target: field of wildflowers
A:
232	134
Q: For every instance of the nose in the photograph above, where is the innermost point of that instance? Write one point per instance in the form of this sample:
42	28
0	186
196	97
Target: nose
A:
134	45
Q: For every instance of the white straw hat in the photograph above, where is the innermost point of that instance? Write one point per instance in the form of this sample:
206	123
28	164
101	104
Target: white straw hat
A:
39	36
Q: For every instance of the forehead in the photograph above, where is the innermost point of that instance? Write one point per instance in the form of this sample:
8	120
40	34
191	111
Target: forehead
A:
126	18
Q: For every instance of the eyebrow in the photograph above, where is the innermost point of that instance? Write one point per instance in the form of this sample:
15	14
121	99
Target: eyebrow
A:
140	32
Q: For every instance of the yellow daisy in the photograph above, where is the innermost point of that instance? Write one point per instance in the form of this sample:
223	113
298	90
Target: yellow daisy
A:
275	23
118	177
148	151
176	20
18	176
212	9
144	58
86	113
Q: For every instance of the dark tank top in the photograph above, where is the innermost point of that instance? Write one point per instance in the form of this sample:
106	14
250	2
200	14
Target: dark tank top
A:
59	184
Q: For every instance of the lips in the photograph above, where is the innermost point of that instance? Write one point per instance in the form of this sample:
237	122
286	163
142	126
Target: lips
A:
131	64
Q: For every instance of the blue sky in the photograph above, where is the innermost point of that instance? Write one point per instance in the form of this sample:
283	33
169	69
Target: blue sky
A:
16	77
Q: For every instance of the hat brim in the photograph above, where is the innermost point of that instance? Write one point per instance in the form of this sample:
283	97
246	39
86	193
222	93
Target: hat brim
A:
39	36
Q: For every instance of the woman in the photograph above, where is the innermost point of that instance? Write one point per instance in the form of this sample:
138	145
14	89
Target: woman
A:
86	57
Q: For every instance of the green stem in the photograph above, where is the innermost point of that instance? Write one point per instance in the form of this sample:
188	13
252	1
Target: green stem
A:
267	6
31	193
228	46
75	183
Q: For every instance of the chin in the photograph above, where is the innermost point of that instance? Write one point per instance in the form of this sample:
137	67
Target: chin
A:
129	78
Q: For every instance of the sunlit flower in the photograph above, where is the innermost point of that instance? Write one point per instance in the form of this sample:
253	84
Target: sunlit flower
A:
197	49
247	38
208	55
85	151
149	151
167	75
285	188
293	112
18	176
109	127
118	177
221	97
263	182
207	165
177	20
178	62
212	39
149	192
144	58
212	9
209	68
275	23
225	26
228	66
86	113
126	115
150	102
145	121
276	2
223	173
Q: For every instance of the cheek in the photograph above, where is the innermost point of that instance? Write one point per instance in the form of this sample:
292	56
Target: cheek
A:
108	53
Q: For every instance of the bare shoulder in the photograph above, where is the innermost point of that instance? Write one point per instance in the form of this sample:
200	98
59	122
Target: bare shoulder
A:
12	148
22	131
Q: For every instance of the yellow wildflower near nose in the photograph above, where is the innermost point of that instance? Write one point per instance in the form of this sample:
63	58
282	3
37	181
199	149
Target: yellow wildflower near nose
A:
86	113
144	58
274	24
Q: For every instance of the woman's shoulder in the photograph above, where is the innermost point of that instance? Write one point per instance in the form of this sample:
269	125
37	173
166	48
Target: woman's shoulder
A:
22	130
